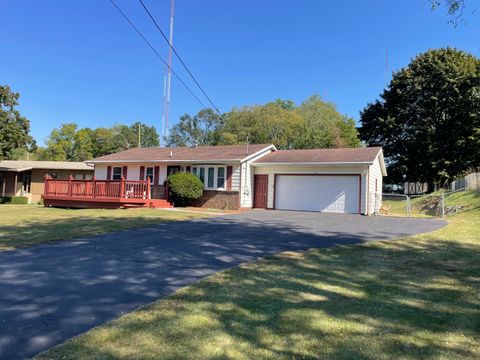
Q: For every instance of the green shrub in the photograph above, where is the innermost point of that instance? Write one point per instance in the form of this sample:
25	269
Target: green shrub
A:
19	200
14	200
185	187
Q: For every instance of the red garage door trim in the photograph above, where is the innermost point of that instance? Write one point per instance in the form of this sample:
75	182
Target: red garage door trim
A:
359	185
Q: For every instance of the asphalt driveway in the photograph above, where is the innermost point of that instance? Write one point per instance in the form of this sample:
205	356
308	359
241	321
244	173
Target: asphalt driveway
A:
51	292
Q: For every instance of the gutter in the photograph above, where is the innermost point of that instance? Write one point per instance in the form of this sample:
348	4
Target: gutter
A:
362	163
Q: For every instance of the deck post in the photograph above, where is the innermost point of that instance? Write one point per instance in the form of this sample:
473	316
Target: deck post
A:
45	187
70	185
122	188
93	186
148	188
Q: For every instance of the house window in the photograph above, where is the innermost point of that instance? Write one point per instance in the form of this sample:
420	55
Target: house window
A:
220	178
215	176
117	173
149	174
211	177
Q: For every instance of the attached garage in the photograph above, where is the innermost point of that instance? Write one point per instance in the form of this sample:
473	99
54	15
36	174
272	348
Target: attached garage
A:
313	192
324	180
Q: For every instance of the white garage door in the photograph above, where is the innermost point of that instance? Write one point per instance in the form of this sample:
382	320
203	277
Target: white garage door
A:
317	193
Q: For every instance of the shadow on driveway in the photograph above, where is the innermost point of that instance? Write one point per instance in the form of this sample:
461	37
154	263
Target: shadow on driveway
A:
51	292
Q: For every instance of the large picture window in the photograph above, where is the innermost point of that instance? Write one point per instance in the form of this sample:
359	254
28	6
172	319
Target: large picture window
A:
213	177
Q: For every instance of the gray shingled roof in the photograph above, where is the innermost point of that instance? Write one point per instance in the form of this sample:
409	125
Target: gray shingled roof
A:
342	155
23	165
172	154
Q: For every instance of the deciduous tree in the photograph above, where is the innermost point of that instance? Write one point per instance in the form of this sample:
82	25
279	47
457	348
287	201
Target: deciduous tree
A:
428	118
14	128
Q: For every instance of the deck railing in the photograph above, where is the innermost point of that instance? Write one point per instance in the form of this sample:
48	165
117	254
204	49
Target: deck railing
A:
97	189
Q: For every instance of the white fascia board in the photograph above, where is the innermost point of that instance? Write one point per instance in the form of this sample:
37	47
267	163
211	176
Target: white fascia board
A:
16	170
382	162
270	147
164	161
312	163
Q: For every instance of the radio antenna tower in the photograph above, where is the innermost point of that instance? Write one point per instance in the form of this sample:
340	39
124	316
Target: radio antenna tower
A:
167	80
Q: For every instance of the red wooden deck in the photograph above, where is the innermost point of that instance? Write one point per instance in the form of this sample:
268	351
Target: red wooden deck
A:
100	194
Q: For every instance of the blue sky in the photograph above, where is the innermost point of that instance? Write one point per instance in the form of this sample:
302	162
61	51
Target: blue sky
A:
78	61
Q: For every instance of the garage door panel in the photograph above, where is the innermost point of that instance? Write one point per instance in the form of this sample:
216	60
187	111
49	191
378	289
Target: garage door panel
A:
317	193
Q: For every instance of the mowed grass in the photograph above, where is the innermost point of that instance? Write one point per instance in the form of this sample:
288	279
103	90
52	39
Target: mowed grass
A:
23	225
409	298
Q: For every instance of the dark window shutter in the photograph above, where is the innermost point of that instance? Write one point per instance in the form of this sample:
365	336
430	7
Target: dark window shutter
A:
156	174
142	172
125	172
229	178
109	173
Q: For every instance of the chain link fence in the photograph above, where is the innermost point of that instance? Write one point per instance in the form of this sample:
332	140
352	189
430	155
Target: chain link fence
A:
429	205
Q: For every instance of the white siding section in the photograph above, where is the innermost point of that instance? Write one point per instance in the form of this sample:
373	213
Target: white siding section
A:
133	172
100	172
319	169
235	178
375	195
247	173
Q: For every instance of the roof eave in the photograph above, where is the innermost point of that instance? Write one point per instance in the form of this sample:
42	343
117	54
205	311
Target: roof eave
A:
296	163
216	161
269	147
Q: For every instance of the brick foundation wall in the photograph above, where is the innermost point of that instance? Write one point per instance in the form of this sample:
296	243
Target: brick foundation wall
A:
223	200
157	192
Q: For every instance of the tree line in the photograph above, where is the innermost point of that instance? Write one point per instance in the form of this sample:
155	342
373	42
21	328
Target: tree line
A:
313	124
427	120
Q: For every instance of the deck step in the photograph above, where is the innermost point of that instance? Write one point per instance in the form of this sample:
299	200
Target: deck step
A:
159	204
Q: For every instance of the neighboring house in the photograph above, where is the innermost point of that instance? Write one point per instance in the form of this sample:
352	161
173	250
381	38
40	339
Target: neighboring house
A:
259	176
26	178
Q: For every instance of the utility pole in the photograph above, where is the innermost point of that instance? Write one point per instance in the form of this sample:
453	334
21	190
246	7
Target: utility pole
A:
139	136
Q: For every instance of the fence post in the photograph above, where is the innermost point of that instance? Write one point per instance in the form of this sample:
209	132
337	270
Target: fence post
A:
70	178
443	205
409	207
94	182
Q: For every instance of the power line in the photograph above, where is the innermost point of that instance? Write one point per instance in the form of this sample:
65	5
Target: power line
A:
178	55
156	53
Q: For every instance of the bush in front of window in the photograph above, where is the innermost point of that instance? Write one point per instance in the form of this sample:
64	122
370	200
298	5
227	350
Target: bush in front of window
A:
185	188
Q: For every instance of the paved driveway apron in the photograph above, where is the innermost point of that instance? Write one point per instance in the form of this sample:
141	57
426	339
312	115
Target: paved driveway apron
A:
51	292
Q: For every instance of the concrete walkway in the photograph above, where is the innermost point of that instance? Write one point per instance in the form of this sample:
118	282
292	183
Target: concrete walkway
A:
51	292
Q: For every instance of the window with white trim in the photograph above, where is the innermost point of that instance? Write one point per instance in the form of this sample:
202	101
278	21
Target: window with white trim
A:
117	173
213	177
149	173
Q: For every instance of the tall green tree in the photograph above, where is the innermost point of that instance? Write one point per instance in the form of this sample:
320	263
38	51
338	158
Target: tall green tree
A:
200	129
324	126
61	143
148	135
428	118
273	123
69	143
14	128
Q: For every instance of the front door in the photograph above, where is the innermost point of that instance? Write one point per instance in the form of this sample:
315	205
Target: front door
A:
260	191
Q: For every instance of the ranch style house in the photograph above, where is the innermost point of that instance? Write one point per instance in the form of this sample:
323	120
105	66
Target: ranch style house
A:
235	177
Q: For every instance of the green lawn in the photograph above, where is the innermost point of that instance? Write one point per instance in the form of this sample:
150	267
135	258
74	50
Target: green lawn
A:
23	225
404	299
